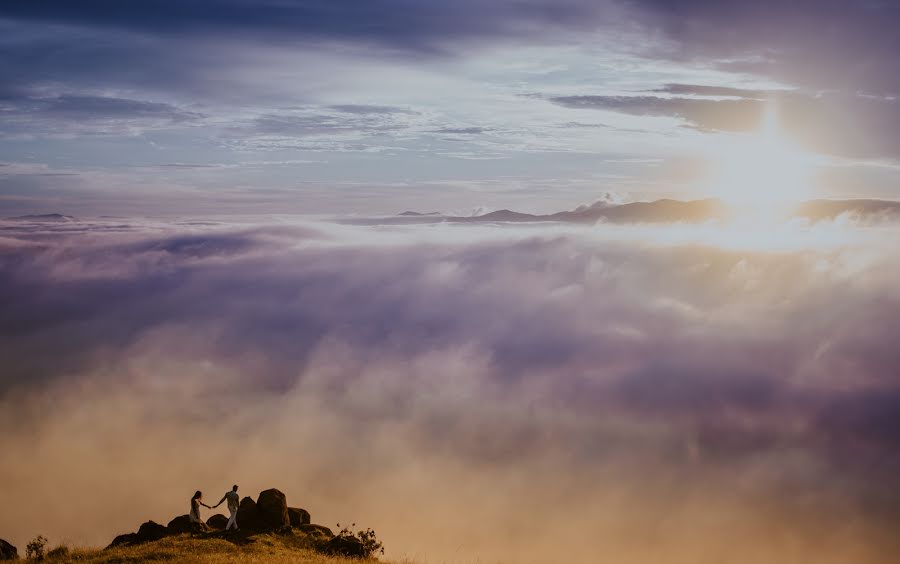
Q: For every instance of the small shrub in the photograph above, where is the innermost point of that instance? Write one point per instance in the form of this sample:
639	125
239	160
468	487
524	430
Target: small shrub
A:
35	549
369	540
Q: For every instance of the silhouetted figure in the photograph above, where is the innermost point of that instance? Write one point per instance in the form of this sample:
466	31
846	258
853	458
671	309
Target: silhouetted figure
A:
234	502
196	521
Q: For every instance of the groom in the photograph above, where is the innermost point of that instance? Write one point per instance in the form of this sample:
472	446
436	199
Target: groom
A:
233	504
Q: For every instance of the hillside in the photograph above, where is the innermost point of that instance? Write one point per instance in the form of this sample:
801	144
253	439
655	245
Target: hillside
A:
270	532
295	547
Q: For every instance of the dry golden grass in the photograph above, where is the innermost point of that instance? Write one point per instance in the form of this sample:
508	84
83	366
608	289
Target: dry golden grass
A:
263	549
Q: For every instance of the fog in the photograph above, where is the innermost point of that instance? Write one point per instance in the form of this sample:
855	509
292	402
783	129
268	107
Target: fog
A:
473	393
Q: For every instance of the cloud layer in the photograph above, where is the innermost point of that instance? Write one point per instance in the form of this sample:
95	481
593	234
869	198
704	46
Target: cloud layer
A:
527	394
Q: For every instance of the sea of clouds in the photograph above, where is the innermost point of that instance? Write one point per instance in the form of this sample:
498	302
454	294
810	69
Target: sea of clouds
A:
475	393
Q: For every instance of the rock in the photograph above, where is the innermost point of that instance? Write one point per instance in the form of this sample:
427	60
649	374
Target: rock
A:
180	524
123	540
315	530
8	551
127	539
273	511
148	532
217	521
248	516
298	516
346	546
151	531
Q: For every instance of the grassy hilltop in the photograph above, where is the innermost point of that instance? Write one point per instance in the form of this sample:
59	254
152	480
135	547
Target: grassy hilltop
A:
294	547
270	532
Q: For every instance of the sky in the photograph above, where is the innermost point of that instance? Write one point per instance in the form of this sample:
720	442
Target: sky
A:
229	296
228	106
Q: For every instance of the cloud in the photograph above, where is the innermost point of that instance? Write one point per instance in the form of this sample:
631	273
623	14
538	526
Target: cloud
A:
852	126
365	109
709	90
463	130
795	41
711	115
77	114
395	23
838	44
595	377
97	107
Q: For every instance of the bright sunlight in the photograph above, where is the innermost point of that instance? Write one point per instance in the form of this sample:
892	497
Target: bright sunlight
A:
762	169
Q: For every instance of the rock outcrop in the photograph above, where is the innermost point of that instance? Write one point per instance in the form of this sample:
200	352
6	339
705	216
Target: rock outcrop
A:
298	516
148	532
273	511
8	551
151	531
268	514
248	516
180	524
217	521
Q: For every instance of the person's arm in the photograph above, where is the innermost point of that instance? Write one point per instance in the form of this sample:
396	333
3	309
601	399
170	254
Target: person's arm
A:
220	501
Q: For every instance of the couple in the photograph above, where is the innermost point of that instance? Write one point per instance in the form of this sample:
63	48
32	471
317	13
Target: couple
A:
233	504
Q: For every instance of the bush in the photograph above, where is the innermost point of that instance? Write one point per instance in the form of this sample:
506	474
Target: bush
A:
370	542
35	549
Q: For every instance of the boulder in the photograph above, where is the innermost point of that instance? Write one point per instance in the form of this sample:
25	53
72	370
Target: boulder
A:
151	531
345	545
248	516
180	524
315	530
148	532
217	521
127	539
8	551
298	516
273	511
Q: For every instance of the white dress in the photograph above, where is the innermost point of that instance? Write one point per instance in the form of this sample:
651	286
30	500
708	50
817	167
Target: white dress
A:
195	511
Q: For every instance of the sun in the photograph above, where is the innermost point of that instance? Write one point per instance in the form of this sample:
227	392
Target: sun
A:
762	169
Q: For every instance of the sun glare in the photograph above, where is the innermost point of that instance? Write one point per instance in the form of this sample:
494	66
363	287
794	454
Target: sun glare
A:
761	170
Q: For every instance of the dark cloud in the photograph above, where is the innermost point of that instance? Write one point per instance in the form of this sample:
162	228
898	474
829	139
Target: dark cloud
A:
708	90
846	45
463	130
397	23
364	109
76	114
830	44
101	107
320	124
853	125
711	115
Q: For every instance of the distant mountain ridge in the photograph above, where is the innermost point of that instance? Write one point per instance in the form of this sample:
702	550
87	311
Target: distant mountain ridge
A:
675	211
417	214
46	218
